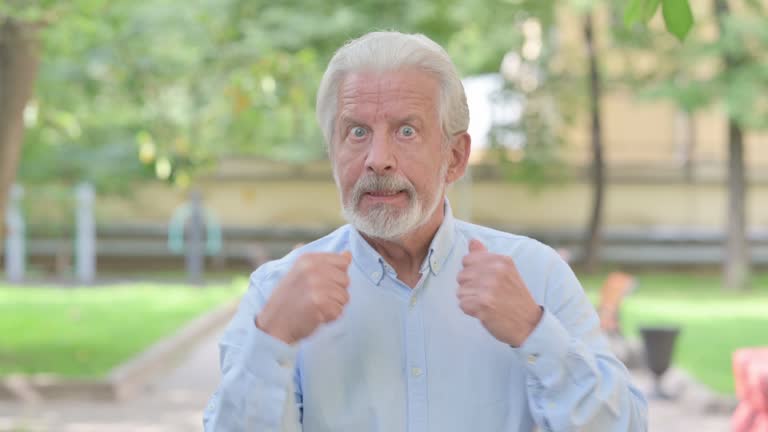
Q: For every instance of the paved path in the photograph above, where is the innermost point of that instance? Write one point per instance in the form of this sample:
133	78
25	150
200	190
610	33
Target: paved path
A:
679	415
177	401
174	404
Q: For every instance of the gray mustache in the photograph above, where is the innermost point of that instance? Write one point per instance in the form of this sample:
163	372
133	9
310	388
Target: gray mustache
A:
378	183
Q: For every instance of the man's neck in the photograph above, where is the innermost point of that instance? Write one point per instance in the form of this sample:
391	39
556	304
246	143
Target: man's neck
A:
407	254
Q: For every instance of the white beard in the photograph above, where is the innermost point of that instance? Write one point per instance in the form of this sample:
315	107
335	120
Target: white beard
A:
384	221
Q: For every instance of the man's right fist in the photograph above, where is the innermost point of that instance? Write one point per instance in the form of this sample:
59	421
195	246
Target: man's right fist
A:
313	292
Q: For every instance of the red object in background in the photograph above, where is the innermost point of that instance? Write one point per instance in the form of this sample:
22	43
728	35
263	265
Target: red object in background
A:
743	418
757	385
760	424
750	372
741	360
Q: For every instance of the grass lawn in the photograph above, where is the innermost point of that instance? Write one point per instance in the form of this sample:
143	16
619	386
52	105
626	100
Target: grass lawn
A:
85	332
714	323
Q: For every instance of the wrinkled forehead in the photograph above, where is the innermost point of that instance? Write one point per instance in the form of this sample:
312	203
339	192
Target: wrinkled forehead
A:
391	93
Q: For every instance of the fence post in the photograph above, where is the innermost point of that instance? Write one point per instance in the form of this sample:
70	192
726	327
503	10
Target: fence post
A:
195	250
85	235
15	248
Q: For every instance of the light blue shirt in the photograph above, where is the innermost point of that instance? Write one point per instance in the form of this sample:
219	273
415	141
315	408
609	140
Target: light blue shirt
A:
402	359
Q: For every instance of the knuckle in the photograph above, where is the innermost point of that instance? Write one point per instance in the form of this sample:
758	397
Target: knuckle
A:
500	266
312	281
319	316
465	306
486	298
304	263
316	298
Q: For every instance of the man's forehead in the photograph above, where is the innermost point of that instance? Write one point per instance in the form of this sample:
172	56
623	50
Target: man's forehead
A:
409	89
387	83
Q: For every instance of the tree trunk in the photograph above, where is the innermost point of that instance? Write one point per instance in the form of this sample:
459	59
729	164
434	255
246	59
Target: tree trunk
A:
736	271
19	48
593	236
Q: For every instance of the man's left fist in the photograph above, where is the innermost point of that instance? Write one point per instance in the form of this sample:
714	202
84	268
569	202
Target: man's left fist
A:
491	290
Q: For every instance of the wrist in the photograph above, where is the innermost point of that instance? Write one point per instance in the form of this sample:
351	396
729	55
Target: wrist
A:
266	326
532	322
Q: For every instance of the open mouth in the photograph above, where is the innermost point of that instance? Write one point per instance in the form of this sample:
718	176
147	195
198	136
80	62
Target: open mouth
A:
385	197
377	194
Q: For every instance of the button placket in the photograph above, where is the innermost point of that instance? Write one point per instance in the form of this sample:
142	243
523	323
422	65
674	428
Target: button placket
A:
415	362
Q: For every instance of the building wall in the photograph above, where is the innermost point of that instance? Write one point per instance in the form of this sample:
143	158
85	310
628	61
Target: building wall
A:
314	202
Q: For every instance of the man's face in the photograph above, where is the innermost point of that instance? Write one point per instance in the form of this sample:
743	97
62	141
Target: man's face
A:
389	159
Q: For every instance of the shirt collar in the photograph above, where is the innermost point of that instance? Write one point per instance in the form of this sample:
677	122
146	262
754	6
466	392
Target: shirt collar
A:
375	267
369	261
442	242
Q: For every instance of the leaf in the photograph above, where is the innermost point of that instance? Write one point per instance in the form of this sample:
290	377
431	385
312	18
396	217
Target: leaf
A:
632	12
678	17
649	9
640	11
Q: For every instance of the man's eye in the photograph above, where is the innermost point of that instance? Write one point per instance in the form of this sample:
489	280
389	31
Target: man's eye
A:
407	131
358	132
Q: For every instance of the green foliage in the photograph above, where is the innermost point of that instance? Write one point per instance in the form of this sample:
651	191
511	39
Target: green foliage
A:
678	17
165	88
640	11
677	14
727	71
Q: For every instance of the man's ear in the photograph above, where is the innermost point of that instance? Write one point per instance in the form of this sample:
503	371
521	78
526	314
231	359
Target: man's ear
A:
460	146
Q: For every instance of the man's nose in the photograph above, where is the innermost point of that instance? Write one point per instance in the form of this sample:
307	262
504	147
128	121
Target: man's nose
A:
381	156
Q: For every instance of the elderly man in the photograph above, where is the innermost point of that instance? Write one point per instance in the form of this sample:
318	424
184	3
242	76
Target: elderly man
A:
408	319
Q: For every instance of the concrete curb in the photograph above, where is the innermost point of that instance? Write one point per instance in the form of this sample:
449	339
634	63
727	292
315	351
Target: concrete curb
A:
696	396
688	391
127	379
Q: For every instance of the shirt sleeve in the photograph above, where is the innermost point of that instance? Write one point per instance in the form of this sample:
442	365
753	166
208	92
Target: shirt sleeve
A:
574	382
258	388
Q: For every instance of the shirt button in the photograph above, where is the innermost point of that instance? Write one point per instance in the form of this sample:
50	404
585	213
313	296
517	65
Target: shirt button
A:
532	358
375	275
413	301
416	371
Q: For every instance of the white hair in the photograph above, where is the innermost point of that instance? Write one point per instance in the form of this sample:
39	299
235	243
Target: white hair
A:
390	51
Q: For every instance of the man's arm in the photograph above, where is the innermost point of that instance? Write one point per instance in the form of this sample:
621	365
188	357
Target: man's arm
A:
258	355
574	381
256	389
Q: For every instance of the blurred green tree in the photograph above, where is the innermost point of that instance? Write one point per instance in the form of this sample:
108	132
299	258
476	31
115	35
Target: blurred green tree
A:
159	90
571	88
130	90
725	68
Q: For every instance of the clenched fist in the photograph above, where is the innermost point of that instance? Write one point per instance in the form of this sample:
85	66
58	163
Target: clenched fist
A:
313	292
491	290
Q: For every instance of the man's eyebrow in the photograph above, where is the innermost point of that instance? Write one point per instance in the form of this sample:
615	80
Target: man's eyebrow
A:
413	118
346	120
